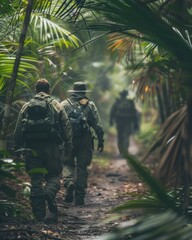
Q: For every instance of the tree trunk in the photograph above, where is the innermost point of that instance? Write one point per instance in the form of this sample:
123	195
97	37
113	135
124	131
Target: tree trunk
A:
11	87
160	104
166	100
186	154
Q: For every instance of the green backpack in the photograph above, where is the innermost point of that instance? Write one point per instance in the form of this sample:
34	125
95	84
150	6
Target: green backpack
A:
125	109
40	122
77	118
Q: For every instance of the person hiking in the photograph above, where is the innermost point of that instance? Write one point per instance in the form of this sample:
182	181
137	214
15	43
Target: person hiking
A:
85	121
42	128
124	114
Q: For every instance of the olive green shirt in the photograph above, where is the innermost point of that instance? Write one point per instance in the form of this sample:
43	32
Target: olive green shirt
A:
63	121
90	112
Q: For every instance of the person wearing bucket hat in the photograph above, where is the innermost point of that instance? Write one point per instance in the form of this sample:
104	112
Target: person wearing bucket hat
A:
79	87
75	173
124	114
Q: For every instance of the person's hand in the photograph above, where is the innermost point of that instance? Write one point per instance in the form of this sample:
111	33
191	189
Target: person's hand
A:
100	147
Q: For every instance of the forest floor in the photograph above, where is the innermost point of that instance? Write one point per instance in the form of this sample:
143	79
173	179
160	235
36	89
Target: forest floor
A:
111	182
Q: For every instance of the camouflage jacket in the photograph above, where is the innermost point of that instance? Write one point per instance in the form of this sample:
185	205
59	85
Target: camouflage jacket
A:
63	121
90	112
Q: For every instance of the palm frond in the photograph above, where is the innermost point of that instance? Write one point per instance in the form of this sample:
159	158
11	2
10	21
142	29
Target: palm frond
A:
151	182
125	46
6	67
66	9
166	225
50	31
168	146
144	204
121	16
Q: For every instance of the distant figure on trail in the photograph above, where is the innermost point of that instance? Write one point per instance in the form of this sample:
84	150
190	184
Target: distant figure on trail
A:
124	114
85	120
42	127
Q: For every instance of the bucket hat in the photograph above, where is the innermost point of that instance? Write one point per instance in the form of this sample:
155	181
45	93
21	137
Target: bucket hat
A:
79	87
124	93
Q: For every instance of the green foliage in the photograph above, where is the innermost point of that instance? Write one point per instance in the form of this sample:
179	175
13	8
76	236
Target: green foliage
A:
9	207
38	171
154	185
163	226
27	67
131	17
146	133
46	30
5	174
163	218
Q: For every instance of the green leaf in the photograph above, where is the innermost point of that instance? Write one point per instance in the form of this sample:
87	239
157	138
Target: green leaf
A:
140	203
152	182
37	171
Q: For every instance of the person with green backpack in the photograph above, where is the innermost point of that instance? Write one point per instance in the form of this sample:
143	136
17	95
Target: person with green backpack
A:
41	130
85	121
124	114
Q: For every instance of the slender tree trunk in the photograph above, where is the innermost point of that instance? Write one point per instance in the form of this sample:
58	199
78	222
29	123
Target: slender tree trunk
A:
186	154
166	100
160	103
11	87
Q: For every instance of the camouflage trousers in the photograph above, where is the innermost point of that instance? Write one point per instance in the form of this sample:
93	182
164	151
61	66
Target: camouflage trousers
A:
44	168
75	169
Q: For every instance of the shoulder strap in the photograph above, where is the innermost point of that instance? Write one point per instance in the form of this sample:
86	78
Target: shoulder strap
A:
48	99
69	101
73	104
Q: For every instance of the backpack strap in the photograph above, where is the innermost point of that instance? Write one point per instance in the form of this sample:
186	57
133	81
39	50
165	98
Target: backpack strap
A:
73	104
70	102
76	105
47	98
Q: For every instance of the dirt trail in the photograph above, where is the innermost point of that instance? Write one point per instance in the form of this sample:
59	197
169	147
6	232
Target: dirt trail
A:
108	186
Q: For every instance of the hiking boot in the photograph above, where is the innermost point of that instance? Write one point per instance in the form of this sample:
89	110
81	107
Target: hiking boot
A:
69	194
38	208
80	202
79	198
51	217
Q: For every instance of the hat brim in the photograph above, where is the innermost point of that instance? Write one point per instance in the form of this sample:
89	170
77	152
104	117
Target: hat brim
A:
79	91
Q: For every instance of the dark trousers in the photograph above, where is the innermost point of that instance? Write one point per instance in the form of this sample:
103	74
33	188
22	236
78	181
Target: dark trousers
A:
124	131
75	170
44	168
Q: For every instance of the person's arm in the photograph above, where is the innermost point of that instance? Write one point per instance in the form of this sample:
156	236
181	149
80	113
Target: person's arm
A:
135	117
17	136
97	126
66	131
65	127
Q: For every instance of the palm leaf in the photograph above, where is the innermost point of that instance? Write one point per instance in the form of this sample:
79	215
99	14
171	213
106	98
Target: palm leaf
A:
6	67
169	147
162	226
50	31
144	204
152	183
123	16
